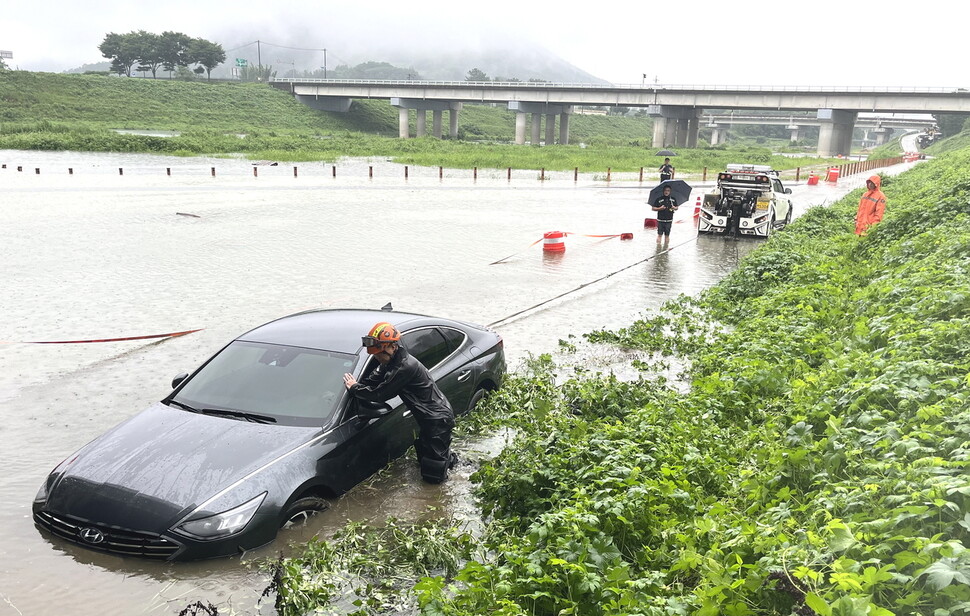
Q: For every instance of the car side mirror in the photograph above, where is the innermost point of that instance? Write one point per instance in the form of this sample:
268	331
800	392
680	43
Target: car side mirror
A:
788	191
367	410
178	380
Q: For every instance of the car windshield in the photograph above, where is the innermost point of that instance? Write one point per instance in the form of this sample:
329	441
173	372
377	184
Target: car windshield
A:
293	385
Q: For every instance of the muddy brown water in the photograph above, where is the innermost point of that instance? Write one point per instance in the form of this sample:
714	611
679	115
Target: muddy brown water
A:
99	253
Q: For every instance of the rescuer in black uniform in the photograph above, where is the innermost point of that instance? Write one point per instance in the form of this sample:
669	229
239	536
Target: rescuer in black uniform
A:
400	374
664	206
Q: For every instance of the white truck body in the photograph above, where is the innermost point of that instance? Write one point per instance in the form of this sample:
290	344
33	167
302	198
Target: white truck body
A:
749	200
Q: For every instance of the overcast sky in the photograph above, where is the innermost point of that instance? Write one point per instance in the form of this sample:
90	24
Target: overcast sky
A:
701	42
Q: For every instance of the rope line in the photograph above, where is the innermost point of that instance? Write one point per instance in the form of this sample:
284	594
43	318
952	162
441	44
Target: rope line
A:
564	233
586	284
168	335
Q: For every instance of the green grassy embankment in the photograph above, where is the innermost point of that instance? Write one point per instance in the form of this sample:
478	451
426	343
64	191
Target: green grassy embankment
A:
44	111
818	464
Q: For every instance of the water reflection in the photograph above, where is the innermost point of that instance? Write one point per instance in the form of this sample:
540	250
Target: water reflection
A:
97	254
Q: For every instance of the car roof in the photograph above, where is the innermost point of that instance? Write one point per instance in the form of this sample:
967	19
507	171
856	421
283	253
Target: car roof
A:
334	330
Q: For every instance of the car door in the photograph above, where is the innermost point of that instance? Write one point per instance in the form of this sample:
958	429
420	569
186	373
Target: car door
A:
782	200
363	441
439	349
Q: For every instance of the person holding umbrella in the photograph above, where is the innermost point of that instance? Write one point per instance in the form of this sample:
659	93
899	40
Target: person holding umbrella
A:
666	170
664	199
664	206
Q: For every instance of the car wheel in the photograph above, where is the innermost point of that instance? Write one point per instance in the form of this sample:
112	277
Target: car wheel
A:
302	509
476	398
771	227
788	215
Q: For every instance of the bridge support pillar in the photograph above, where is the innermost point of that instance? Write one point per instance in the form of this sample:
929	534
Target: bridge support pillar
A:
674	125
453	120
718	134
835	131
693	128
882	135
537	110
422	123
793	129
403	131
422	108
436	123
520	128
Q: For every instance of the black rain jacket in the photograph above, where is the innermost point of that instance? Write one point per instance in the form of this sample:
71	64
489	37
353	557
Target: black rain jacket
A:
405	376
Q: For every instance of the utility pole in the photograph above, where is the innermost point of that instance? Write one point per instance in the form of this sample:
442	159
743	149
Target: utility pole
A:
259	57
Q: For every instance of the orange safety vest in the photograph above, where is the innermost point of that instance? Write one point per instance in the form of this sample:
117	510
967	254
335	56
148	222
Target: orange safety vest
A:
872	206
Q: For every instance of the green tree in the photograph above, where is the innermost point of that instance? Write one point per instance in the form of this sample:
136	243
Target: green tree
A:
3	65
476	75
950	123
174	48
120	49
148	46
206	54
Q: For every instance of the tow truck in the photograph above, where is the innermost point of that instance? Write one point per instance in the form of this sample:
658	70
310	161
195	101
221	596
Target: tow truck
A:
748	200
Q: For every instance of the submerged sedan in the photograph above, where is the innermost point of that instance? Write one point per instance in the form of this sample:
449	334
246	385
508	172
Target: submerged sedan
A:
261	435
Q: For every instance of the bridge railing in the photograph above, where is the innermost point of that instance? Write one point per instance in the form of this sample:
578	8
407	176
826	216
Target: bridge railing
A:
625	86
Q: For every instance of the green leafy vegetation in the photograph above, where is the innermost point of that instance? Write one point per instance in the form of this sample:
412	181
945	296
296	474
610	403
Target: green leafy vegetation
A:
814	459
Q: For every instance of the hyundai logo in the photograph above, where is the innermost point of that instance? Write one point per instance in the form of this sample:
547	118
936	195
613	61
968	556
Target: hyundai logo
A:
91	535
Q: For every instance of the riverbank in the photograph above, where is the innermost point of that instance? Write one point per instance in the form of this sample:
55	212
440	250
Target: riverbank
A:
816	463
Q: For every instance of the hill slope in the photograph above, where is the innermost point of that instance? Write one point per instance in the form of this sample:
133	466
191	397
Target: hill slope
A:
235	107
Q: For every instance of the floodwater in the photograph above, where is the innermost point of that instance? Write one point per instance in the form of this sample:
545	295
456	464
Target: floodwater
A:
101	253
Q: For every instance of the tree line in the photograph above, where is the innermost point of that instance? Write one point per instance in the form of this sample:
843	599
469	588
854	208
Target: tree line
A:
147	51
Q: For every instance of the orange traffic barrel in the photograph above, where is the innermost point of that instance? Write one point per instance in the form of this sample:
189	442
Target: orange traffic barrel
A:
833	175
650	223
554	241
697	207
812	180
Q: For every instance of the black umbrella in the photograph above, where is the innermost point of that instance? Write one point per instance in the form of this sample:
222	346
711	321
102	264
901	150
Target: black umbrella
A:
666	153
679	190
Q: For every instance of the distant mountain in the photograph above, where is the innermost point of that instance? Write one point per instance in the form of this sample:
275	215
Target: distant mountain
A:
435	55
95	67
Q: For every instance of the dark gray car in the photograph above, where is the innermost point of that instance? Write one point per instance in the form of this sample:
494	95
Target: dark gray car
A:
262	434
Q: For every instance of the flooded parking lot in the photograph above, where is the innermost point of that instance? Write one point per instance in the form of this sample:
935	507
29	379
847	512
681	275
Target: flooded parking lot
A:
98	253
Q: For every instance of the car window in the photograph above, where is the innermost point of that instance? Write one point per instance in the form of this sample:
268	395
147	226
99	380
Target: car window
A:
432	345
454	338
777	187
296	386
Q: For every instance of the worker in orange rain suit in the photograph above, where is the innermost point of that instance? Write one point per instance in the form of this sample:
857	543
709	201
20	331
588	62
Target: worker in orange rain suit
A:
872	205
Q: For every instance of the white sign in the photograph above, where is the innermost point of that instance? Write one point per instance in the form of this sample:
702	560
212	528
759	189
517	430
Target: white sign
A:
6	54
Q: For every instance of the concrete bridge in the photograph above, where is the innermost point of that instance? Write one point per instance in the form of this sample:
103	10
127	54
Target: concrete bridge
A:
877	127
677	110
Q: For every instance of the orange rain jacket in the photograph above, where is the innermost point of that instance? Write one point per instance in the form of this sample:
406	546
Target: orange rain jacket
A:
872	205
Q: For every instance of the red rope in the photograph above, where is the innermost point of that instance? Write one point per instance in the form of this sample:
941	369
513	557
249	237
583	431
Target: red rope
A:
170	335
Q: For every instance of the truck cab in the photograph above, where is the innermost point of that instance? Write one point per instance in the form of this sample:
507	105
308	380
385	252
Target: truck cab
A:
748	200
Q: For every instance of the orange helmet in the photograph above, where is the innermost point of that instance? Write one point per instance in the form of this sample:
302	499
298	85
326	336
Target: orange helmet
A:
380	334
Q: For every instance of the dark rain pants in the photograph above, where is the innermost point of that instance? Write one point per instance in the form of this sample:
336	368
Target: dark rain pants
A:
434	449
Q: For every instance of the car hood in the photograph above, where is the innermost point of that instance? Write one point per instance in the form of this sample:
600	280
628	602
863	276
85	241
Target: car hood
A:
151	470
